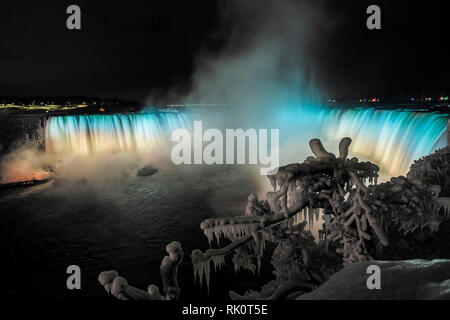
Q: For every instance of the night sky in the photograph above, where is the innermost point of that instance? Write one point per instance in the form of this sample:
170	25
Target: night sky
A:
126	49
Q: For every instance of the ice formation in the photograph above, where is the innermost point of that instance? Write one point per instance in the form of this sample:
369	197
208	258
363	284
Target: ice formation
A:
358	215
344	192
120	289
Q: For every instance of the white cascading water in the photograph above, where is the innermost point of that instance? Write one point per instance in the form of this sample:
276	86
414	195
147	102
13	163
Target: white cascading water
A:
392	139
136	132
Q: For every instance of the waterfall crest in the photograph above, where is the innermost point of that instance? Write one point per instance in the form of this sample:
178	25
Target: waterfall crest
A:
393	139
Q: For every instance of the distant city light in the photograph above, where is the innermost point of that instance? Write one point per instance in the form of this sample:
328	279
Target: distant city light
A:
51	107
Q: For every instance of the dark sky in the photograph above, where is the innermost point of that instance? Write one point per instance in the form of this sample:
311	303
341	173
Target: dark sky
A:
128	48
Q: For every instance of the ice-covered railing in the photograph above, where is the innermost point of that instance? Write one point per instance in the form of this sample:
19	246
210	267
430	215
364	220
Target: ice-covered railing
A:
118	286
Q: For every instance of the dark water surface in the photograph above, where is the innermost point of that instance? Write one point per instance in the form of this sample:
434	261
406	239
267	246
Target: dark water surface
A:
123	224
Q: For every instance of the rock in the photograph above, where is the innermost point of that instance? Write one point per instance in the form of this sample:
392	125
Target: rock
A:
146	171
408	279
17	130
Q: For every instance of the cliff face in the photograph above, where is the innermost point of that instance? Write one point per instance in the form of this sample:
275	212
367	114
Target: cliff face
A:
18	130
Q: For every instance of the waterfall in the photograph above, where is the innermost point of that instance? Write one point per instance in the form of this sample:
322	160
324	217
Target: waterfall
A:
85	134
390	138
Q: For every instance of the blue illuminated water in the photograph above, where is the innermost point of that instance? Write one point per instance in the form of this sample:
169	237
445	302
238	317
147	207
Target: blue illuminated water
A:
390	138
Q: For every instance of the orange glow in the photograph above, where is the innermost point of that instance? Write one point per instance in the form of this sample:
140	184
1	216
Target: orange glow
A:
19	176
101	109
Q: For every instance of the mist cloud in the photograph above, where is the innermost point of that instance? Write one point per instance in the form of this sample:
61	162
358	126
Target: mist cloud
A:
268	58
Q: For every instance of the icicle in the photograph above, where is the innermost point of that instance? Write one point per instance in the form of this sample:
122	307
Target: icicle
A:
299	218
217	232
226	233
218	261
310	218
246	229
251	228
198	270
234	230
317	213
221	232
209	233
218	239
258	265
195	267
207	272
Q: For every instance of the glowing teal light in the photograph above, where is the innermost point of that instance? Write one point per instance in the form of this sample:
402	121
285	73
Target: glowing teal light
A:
390	138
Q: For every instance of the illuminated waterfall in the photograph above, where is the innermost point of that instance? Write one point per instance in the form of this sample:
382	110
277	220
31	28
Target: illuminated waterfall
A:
138	132
390	138
393	139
